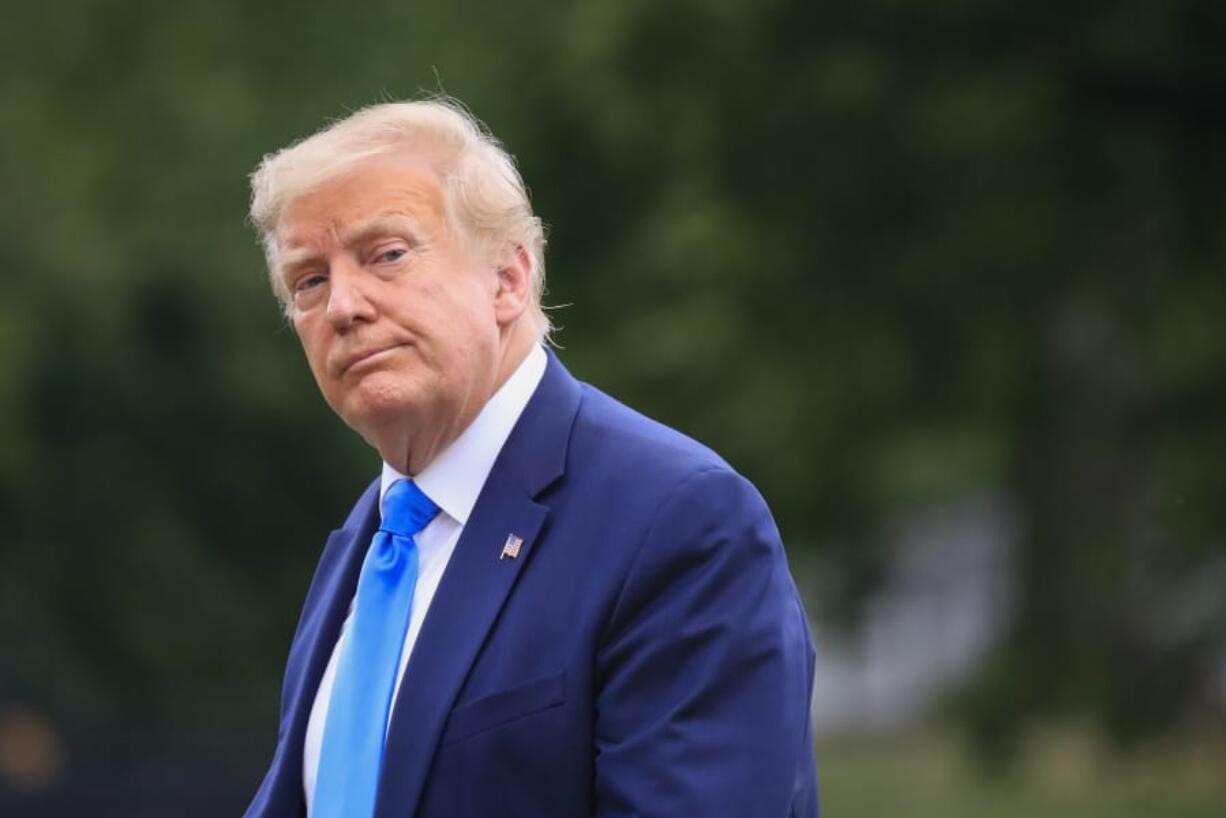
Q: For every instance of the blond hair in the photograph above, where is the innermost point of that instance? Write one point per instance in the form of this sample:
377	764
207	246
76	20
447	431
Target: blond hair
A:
484	196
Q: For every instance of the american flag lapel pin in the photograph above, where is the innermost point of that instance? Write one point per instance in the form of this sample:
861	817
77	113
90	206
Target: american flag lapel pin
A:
510	549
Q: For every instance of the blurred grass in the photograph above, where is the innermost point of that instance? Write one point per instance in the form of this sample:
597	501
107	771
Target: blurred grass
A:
1065	772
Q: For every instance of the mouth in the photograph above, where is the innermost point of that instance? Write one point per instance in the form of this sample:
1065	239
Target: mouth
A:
364	358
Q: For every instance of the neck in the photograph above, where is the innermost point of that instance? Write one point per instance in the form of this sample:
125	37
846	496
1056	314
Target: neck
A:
411	447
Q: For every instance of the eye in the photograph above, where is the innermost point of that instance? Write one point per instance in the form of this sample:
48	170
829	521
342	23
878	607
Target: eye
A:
393	254
309	282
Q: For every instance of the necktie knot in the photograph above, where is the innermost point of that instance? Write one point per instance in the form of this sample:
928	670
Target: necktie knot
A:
406	509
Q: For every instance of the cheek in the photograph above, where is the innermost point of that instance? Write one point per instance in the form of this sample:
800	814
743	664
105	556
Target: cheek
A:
474	310
313	352
315	348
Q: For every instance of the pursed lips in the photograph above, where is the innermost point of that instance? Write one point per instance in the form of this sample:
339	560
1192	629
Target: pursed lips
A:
354	358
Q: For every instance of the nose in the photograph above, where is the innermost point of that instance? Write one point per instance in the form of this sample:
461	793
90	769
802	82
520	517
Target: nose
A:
348	302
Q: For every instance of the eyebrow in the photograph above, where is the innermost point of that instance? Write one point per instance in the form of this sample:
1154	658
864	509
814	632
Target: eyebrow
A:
391	223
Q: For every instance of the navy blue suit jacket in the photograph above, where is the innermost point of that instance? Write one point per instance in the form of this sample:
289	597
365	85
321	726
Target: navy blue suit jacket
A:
646	654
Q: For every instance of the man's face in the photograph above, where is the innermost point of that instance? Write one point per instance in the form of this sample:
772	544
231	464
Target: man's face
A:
395	312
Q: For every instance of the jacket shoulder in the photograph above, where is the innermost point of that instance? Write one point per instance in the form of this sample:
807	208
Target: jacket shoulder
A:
623	441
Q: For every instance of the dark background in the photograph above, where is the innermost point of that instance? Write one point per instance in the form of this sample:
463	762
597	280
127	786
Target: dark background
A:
894	259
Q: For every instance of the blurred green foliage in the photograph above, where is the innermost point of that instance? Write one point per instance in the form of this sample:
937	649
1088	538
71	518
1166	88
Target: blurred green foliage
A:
881	254
1065	776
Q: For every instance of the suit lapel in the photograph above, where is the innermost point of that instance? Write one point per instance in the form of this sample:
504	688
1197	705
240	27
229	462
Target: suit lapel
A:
474	587
323	614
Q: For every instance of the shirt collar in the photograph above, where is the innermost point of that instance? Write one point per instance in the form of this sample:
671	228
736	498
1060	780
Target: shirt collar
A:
454	479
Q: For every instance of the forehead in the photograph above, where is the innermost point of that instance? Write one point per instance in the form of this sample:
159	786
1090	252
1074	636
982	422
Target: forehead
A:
370	190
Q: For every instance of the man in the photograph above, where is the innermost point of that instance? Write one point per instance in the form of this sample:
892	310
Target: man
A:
547	605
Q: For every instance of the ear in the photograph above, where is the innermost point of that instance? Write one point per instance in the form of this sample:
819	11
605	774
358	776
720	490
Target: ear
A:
513	291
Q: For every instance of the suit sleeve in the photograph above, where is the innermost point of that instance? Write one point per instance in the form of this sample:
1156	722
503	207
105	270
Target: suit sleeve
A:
705	668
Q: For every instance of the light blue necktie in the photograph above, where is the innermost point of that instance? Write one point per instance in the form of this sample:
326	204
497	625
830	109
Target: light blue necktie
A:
354	732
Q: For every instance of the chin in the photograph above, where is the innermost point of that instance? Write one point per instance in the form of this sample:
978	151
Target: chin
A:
377	402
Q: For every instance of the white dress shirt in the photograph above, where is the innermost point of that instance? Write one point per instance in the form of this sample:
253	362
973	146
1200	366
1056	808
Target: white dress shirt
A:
453	481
